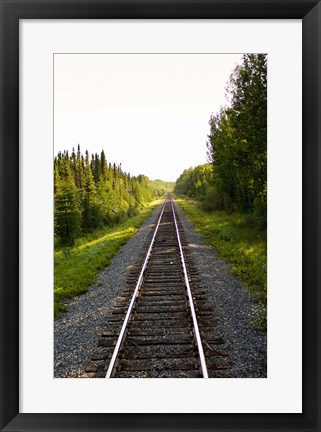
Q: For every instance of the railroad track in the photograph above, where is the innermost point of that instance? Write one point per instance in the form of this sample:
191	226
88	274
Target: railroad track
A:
161	326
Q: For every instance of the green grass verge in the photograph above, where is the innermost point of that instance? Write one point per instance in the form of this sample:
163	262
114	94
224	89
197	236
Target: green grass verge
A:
76	268
239	243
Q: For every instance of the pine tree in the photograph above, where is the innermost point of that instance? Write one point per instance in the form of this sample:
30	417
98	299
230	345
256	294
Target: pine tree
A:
66	214
103	165
90	193
90	204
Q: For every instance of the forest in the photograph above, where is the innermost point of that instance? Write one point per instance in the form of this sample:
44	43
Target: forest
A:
225	198
235	179
91	193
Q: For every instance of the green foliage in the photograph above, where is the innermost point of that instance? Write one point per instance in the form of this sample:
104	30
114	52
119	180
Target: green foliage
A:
161	188
76	267
237	145
238	242
199	183
232	189
90	209
67	215
259	317
194	182
236	177
91	194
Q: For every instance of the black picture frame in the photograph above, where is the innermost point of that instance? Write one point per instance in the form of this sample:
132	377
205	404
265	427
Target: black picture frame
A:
11	12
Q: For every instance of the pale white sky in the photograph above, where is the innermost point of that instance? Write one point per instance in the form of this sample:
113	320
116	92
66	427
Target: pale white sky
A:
148	112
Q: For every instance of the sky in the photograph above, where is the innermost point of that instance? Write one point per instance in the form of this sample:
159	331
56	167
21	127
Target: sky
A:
149	112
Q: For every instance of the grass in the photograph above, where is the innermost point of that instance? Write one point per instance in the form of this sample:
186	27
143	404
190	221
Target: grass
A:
76	267
240	244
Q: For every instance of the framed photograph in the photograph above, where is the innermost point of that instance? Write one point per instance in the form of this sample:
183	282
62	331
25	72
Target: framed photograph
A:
48	45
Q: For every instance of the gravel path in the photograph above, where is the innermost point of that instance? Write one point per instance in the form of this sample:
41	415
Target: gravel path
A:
233	307
76	333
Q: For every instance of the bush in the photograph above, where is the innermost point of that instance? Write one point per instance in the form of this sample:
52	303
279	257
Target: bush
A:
259	317
260	212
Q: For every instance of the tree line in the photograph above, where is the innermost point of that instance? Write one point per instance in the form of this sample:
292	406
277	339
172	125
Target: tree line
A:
90	193
236	177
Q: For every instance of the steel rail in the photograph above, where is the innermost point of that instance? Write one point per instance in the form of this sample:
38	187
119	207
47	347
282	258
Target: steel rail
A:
188	288
139	282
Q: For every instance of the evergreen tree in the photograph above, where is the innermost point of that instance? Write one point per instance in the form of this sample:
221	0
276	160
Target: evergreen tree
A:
103	165
79	171
90	205
66	214
90	193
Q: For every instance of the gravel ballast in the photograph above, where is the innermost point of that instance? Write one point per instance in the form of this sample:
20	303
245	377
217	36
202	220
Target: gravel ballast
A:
76	333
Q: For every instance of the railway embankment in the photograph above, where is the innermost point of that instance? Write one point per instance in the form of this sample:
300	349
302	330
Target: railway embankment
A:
77	331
